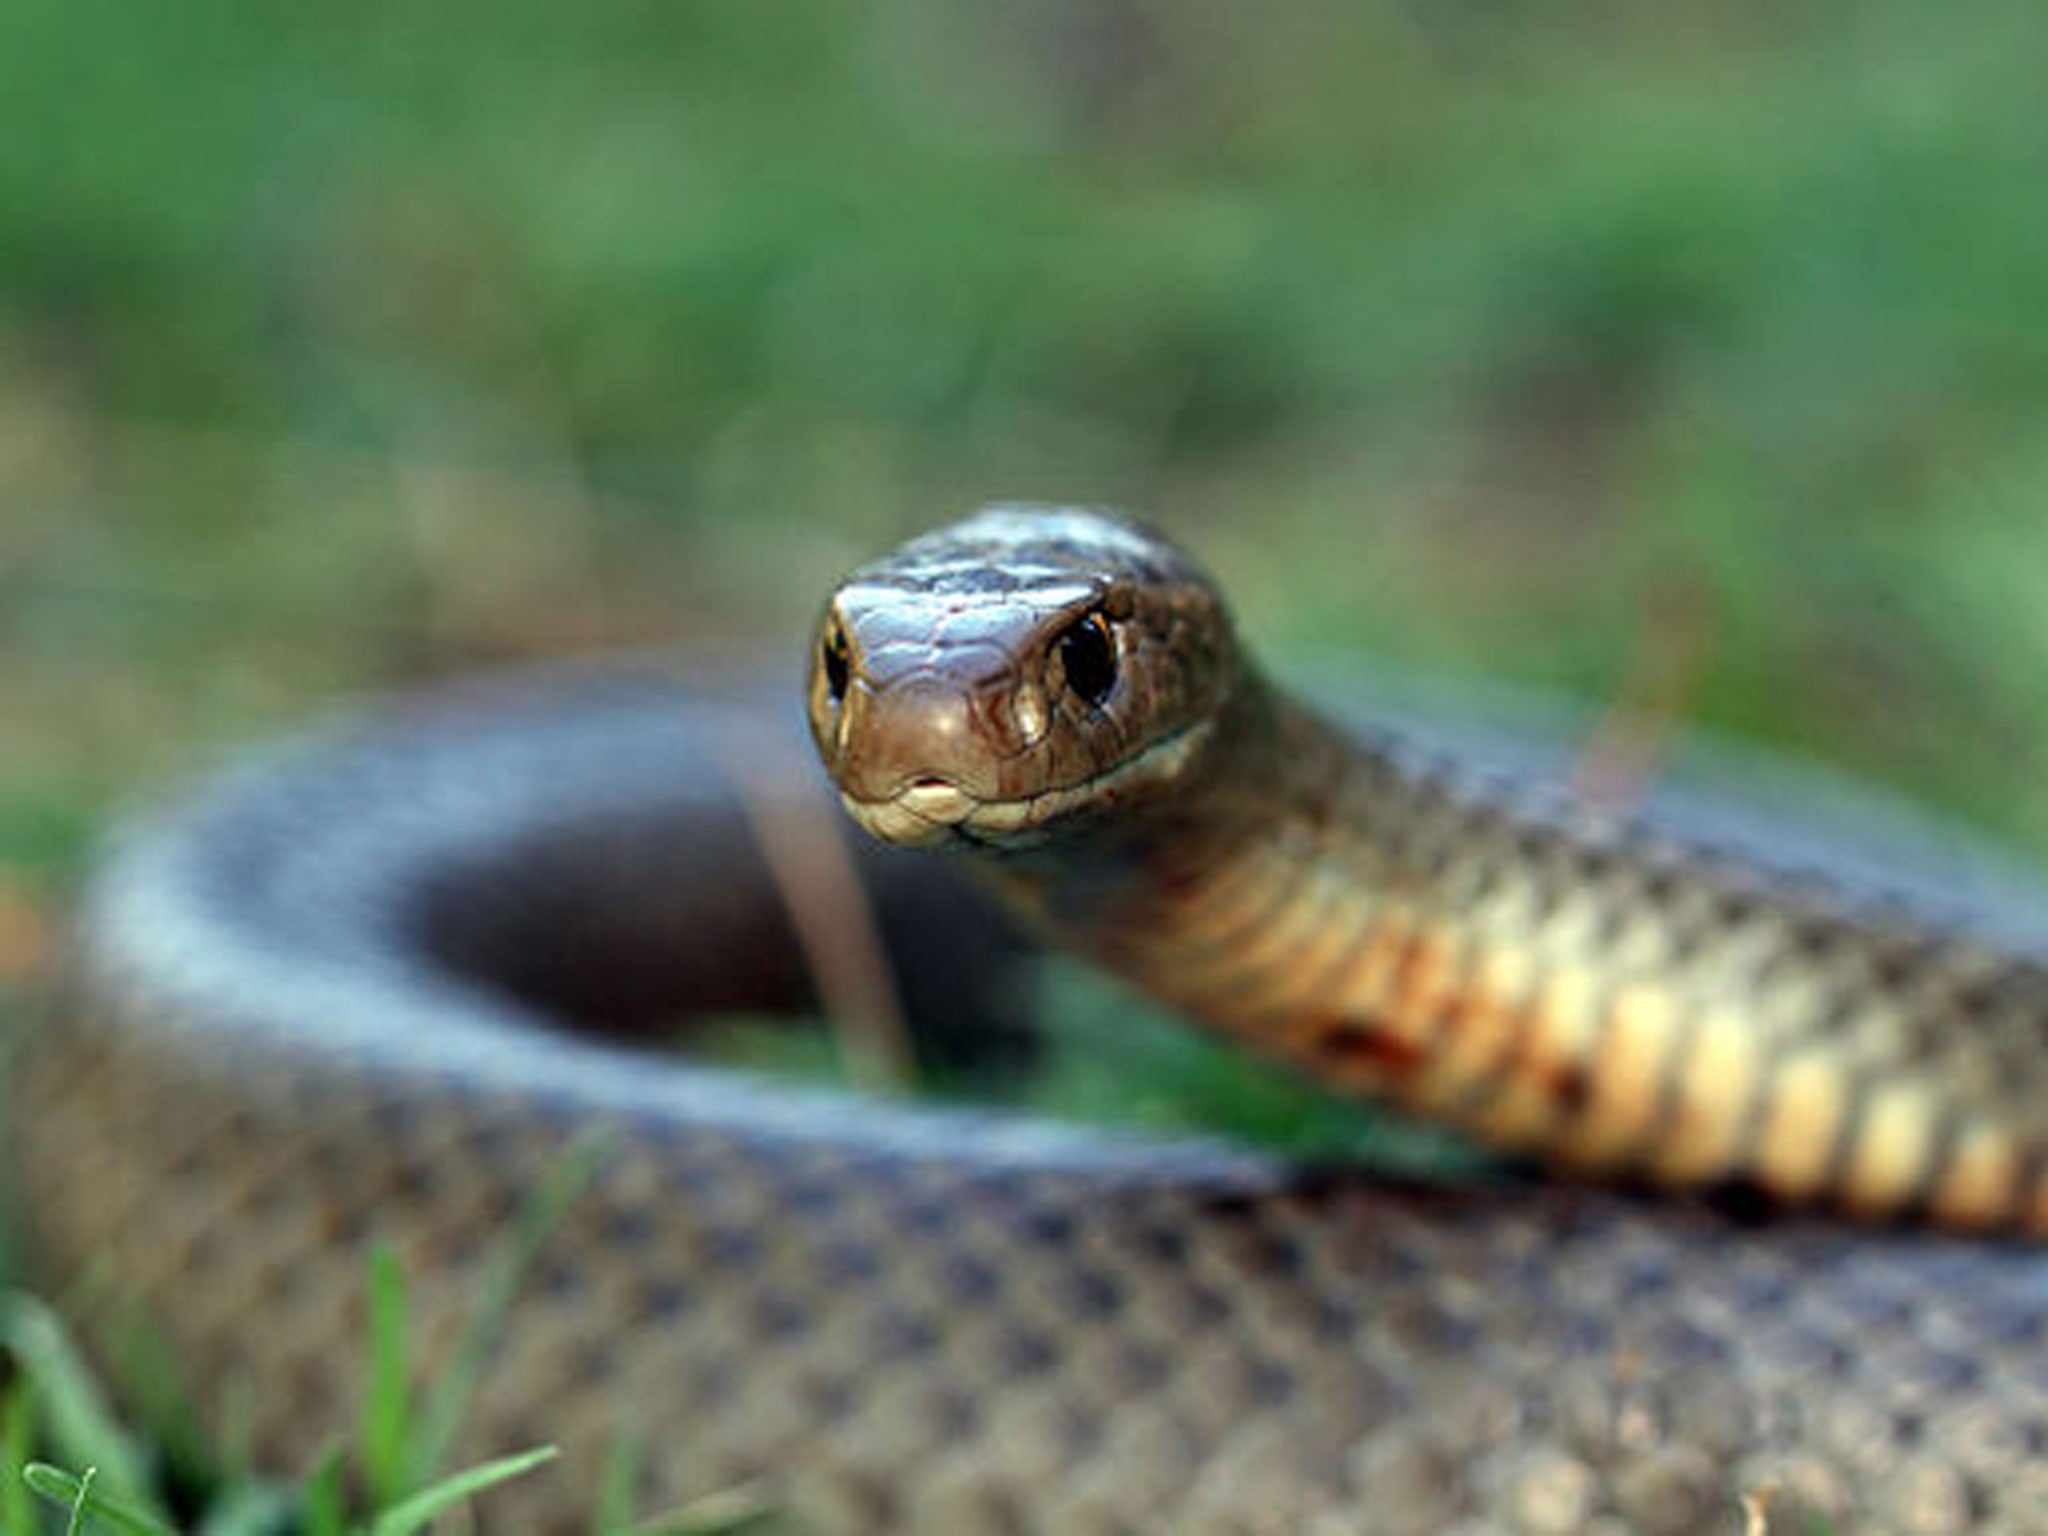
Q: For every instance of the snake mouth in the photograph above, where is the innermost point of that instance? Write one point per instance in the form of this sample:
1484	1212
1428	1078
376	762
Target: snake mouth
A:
933	809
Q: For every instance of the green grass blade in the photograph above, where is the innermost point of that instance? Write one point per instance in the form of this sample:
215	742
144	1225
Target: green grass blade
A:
84	1500
449	1399
74	1519
734	1511
413	1513
323	1508
17	1441
235	1440
385	1432
621	1475
154	1394
80	1425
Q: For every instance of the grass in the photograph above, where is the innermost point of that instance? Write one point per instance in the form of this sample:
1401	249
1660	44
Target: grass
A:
112	1482
334	357
53	1398
342	355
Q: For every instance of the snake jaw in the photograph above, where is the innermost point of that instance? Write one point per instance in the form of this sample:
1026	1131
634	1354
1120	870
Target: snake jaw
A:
917	815
931	810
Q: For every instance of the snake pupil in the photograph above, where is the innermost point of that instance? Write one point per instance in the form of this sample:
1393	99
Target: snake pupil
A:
1088	657
832	654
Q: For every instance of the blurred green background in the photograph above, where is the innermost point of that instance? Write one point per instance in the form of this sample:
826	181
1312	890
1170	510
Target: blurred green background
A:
1577	344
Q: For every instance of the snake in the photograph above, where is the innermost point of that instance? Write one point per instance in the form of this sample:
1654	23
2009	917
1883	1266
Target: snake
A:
1758	1254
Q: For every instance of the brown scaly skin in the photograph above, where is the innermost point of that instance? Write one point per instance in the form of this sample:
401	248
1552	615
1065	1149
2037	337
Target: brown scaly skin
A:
370	989
1561	987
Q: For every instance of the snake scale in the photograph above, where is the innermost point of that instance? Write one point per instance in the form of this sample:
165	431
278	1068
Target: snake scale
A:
372	988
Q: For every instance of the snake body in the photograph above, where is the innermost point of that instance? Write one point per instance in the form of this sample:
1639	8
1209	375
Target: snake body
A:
372	989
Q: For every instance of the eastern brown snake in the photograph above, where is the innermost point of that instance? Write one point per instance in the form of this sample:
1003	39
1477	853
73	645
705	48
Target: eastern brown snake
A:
372	988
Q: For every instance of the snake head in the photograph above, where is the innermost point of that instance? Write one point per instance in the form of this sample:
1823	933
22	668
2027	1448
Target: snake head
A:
1018	672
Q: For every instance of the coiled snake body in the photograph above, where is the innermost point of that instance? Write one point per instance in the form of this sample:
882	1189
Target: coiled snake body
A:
332	1000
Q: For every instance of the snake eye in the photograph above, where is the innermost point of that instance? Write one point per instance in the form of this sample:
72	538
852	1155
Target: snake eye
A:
834	658
1087	652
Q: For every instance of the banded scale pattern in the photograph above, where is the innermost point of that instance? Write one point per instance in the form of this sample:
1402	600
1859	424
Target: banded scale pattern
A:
1559	984
1590	992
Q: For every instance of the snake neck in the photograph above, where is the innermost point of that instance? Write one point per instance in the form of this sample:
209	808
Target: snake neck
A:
1574	991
